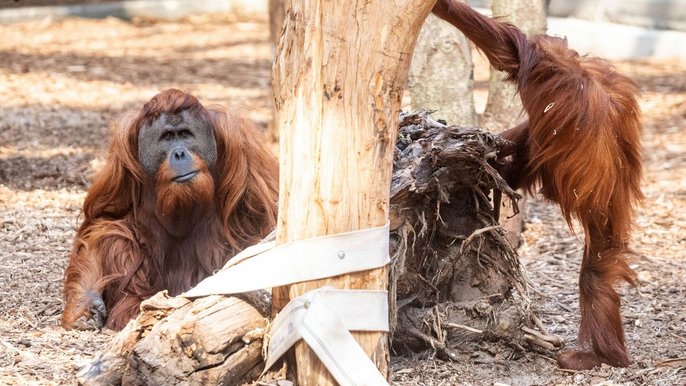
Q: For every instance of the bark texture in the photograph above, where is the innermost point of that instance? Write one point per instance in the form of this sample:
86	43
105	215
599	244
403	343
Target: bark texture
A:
504	108
338	79
441	75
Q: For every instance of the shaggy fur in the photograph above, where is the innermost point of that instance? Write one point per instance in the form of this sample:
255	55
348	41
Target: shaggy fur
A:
142	234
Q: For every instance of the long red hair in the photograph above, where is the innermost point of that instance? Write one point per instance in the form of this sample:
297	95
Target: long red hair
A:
582	146
118	235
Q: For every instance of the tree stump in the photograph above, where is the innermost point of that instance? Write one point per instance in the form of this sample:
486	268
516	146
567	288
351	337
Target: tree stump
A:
454	270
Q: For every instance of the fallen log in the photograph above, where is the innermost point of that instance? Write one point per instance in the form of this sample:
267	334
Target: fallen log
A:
212	340
447	250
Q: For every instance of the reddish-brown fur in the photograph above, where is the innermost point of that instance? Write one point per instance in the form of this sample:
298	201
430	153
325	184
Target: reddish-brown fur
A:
221	211
581	145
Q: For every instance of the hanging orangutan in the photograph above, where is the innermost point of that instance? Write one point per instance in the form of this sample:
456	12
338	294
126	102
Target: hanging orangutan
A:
581	146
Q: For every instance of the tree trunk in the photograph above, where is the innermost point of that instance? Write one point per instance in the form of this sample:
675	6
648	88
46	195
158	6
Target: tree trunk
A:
504	108
339	75
442	73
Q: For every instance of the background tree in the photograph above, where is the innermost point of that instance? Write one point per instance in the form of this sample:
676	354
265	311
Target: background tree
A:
442	79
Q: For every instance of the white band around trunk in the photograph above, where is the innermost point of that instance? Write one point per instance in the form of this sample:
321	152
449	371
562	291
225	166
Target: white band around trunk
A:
323	318
268	265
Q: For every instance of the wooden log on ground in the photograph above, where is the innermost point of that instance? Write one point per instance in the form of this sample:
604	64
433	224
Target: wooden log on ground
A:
210	341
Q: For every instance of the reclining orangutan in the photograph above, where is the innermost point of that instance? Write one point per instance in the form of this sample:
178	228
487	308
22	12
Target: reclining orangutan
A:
184	189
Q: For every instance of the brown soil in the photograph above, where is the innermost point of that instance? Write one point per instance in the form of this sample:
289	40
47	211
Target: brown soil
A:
61	82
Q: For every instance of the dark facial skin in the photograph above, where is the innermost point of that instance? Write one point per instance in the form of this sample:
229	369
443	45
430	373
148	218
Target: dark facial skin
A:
175	138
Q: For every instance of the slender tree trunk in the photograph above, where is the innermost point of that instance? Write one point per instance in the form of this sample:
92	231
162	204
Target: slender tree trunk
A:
504	108
442	73
338	80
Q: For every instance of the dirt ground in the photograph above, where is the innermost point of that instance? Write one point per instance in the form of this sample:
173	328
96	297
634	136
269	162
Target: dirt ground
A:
61	82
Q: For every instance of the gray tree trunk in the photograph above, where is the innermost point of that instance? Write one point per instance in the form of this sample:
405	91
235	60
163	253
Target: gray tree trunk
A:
442	74
504	108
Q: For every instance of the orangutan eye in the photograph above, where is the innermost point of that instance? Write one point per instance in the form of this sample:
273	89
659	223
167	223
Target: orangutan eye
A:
167	135
185	133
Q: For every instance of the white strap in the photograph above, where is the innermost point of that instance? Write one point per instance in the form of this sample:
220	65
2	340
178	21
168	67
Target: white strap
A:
266	266
323	318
